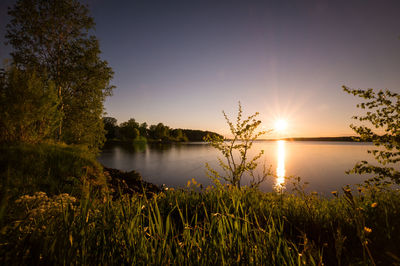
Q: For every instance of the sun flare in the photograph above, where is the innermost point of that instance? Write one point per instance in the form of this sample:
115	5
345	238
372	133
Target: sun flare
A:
280	125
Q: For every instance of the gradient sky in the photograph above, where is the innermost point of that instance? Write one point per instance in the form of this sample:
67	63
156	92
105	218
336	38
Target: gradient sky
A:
183	62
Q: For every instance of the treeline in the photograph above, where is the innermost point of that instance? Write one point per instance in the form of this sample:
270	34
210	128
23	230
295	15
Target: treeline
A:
134	131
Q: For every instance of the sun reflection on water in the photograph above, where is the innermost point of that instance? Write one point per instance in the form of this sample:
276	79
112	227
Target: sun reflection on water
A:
280	169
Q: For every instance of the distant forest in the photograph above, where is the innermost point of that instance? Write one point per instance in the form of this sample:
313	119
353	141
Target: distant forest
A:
134	131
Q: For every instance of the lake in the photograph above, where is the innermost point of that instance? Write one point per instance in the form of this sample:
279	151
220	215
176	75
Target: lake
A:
320	163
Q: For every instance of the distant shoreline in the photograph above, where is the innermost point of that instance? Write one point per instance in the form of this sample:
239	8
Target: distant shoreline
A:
347	139
344	139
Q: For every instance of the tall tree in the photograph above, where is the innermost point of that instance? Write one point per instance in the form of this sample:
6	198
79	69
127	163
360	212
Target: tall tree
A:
54	38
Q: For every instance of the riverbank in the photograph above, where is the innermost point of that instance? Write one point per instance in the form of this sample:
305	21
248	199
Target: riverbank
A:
220	225
128	183
101	216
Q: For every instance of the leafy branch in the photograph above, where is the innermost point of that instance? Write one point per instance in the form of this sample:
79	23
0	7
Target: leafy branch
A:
383	113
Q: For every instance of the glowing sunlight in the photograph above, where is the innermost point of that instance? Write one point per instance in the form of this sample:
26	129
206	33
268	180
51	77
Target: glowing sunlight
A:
280	169
280	125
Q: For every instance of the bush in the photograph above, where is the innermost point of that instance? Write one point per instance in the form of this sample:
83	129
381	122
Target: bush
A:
236	161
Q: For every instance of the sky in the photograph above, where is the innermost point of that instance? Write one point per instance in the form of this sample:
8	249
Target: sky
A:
183	62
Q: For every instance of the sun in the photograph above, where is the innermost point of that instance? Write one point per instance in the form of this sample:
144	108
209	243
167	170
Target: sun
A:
280	125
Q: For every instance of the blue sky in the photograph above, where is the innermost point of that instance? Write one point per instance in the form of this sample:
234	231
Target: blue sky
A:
183	62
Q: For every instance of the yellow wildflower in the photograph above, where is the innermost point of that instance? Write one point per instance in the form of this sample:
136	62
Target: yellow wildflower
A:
367	230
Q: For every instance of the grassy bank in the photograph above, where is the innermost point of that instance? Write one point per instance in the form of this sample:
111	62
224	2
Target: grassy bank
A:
214	226
53	212
53	168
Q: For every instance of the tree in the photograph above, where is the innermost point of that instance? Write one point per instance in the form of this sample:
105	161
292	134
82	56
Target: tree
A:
384	116
178	135
110	125
143	130
28	107
161	132
197	135
235	151
129	130
53	37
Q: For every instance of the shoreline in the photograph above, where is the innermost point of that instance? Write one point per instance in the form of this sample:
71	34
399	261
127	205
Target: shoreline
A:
122	182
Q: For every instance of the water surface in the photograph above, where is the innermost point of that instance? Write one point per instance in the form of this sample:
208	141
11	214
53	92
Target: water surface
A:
321	164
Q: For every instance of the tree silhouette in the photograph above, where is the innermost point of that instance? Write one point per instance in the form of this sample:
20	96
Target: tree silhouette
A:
383	114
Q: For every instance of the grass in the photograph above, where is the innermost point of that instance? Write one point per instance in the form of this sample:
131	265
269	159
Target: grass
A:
76	223
213	226
54	168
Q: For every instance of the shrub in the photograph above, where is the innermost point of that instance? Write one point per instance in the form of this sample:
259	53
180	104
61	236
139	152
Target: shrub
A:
234	151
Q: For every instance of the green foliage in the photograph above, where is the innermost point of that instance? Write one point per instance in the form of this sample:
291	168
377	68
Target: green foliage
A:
111	127
212	227
160	131
198	135
28	107
155	133
235	151
53	37
53	168
129	130
143	130
383	113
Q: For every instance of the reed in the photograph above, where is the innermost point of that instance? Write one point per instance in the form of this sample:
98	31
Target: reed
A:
222	225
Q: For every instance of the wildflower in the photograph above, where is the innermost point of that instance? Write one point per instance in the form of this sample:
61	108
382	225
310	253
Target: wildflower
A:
373	205
367	230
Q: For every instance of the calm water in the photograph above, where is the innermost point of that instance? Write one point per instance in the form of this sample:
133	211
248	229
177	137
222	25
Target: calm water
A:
322	164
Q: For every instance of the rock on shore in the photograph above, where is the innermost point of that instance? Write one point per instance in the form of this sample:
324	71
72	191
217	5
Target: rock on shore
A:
122	182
